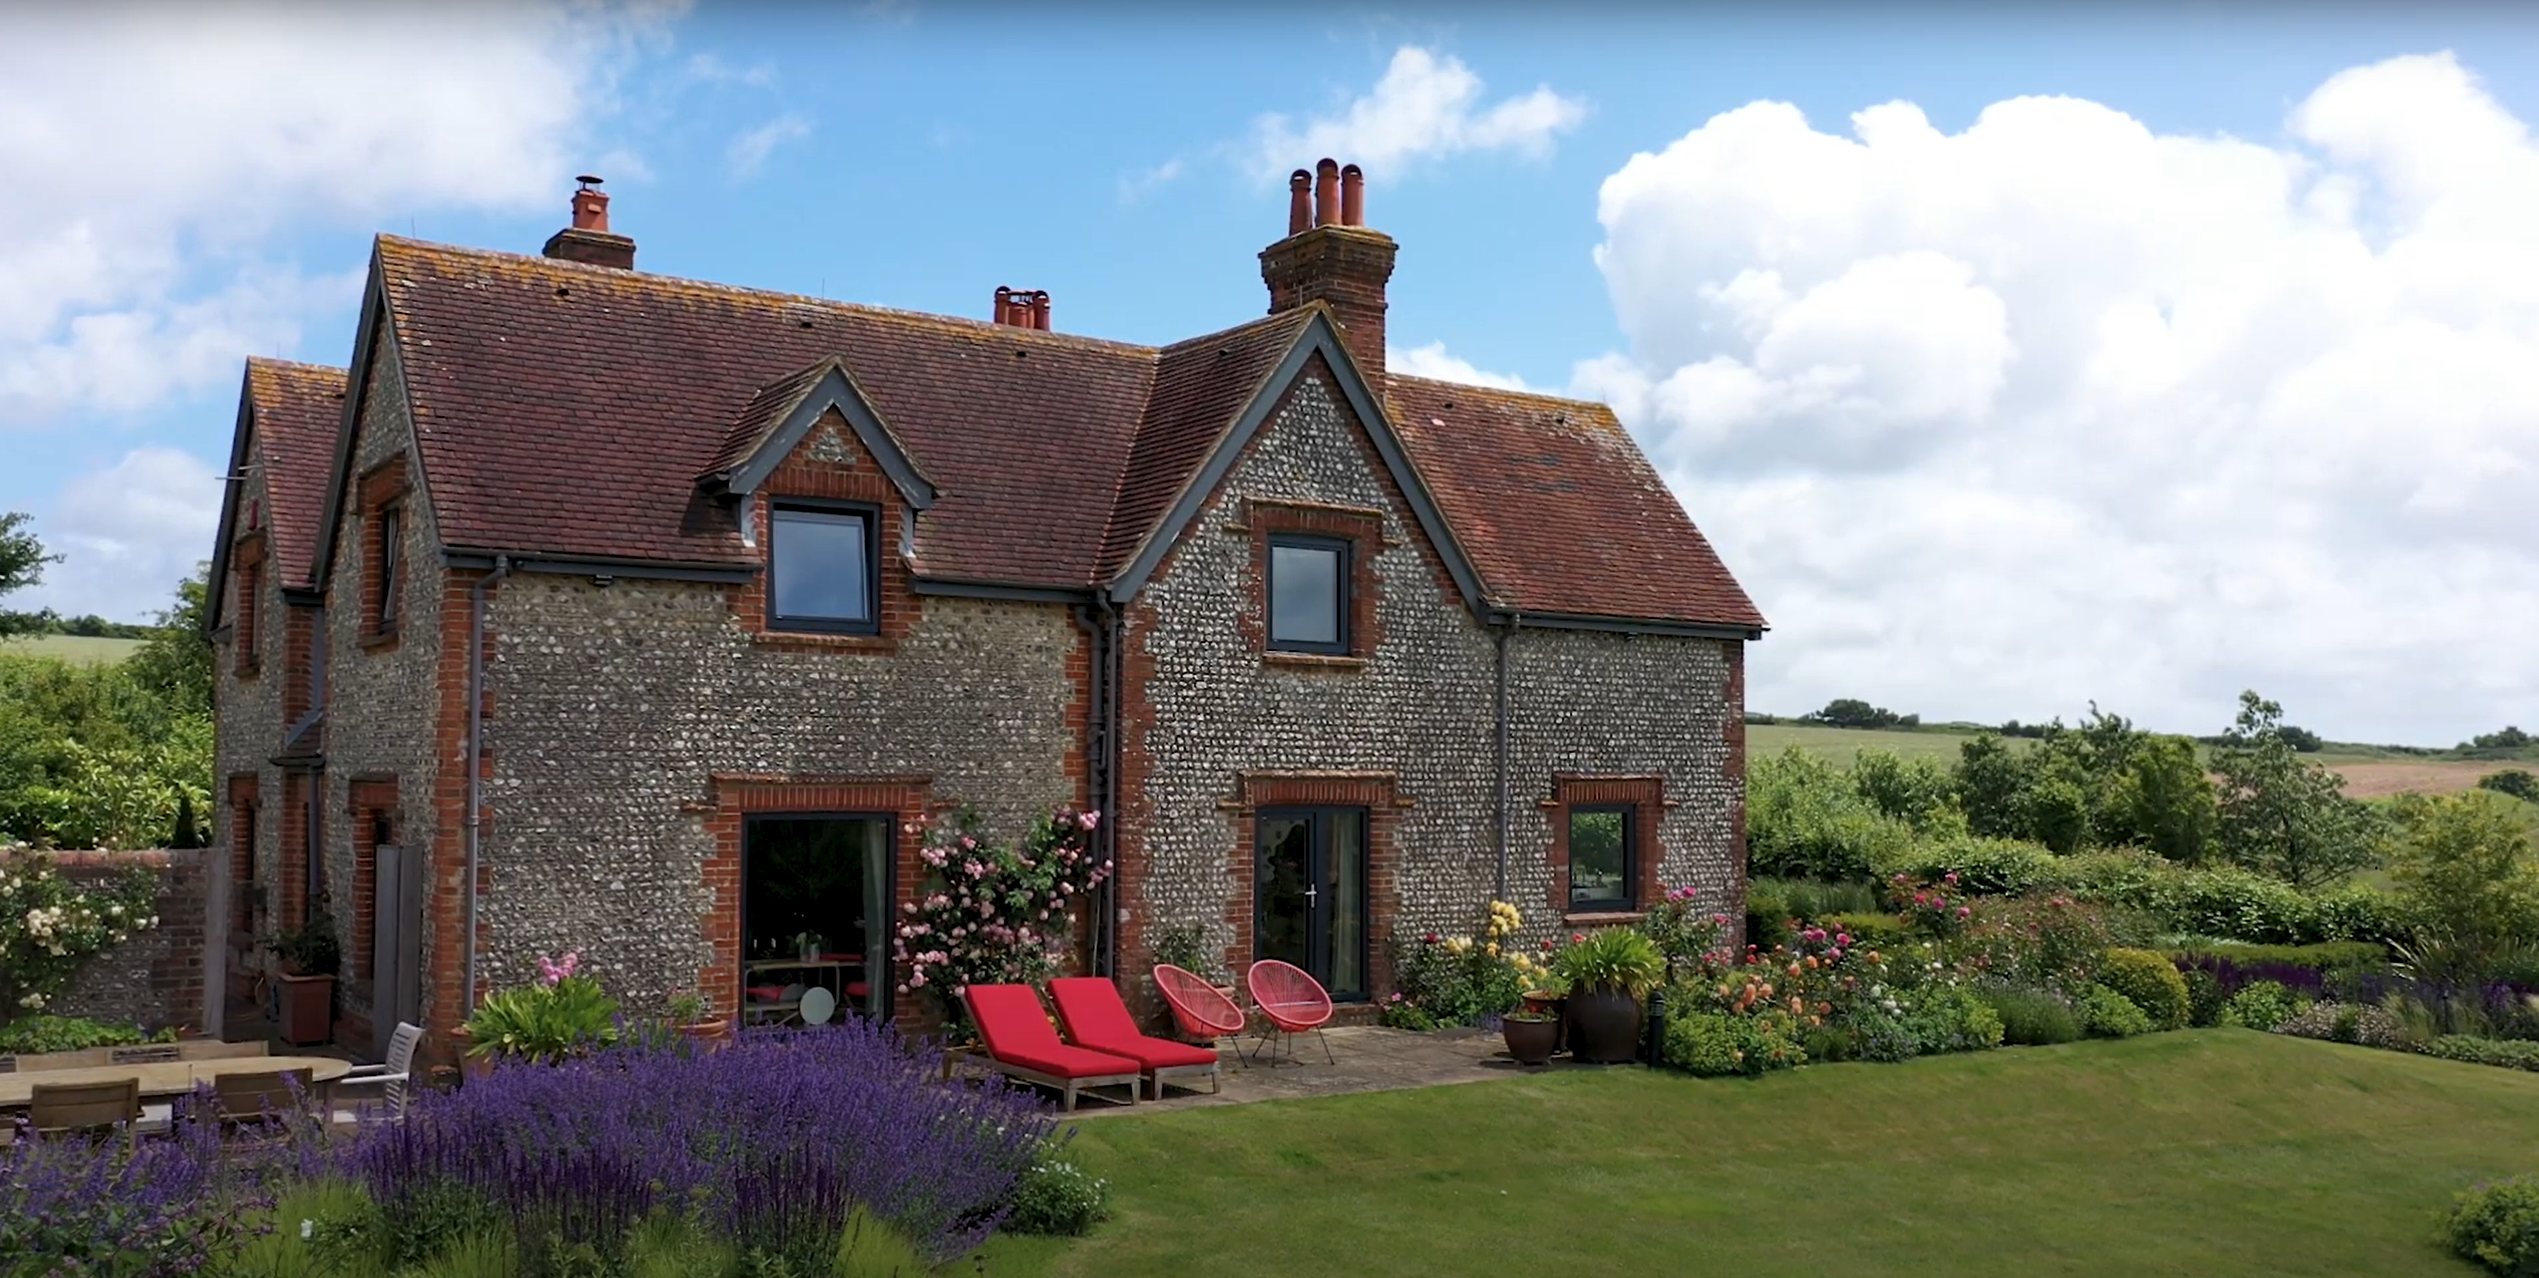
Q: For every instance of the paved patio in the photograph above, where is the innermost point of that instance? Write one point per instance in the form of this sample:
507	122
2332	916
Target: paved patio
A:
1364	1058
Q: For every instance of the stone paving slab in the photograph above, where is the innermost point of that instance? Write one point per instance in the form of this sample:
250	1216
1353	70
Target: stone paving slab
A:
1364	1058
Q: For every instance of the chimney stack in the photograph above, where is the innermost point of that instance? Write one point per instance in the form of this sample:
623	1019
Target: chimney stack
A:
1019	308
589	240
1330	256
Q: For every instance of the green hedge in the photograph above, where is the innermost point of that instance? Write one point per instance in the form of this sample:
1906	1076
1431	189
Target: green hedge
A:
2510	1053
1876	931
2213	902
2327	956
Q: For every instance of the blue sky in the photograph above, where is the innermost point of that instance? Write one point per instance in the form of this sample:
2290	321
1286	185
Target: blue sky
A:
203	190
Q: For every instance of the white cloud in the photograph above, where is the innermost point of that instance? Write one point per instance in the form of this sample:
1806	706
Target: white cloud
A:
155	154
709	69
1432	361
1137	186
127	534
2056	407
749	151
1425	105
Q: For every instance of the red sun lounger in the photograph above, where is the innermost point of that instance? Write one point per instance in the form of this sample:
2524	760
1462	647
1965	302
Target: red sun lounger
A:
1095	1017
1021	1043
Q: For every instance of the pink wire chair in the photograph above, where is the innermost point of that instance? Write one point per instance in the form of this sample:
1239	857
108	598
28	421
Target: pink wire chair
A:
1291	1003
1202	1010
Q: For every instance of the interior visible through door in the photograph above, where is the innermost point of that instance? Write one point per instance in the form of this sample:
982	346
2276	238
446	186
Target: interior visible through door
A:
1311	895
815	897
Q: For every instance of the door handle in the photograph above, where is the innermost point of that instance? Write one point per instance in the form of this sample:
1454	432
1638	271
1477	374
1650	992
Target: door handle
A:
1312	892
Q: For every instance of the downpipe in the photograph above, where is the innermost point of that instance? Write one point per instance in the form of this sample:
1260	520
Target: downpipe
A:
476	595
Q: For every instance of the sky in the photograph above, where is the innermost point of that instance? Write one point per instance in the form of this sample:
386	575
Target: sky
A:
2013	357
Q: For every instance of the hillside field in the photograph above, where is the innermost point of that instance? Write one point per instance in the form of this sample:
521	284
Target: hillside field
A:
2368	773
80	649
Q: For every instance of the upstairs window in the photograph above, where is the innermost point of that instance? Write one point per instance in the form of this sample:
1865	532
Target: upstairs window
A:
1603	864
1308	594
391	567
823	569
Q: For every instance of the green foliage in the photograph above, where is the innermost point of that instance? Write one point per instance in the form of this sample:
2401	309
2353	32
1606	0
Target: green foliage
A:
2204	998
49	926
1184	945
2497	1226
2520	783
871	1247
2261	1005
2103	783
2283	816
2468	880
2032	1017
1915	791
1444	980
1612	958
2347	1023
2165	802
1981	863
312	948
92	756
2327	956
1875	931
22	560
2105	1013
1715	1044
2508	1053
175	660
2151	982
545	1021
1952	1018
1806	819
1060	1199
1852	712
35	1035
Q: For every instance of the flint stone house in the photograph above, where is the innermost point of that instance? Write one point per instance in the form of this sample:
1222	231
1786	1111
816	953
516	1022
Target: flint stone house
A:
600	610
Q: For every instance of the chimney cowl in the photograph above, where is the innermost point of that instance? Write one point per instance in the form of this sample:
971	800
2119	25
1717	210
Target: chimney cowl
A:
1022	308
1330	257
588	239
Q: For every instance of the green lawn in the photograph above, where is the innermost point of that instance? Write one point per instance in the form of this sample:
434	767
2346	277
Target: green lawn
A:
1840	744
84	650
2201	1152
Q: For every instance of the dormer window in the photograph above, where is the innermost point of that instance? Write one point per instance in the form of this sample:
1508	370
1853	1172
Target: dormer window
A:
1308	594
823	563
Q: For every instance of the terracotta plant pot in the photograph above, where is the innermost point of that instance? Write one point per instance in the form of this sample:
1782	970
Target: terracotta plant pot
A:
709	1034
1530	1042
1604	1027
308	1009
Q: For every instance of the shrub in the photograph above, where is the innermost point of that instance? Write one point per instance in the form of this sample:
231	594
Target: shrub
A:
1059	1199
563	1014
2204	997
2497	1226
2032	1017
1876	931
771	1140
2052	942
1455	980
993	915
2265	1005
2520	783
2509	1053
1989	866
2326	956
2151	982
1612	958
1713	1043
2346	1023
2105	1013
1806	819
1952	1019
49	926
32	1035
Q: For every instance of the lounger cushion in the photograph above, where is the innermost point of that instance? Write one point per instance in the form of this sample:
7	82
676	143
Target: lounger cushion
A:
1068	1062
1018	1032
1096	1018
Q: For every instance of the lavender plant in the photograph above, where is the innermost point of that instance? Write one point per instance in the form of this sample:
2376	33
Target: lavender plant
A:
769	1142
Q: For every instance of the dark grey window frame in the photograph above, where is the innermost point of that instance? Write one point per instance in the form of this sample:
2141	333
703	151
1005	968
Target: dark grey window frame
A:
871	622
1630	898
1319	820
392	567
1346	552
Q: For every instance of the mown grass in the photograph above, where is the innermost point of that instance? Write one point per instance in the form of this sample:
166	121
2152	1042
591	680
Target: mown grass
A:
2203	1152
86	650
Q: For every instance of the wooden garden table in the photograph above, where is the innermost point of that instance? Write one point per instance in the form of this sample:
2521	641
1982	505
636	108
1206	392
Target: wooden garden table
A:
163	1079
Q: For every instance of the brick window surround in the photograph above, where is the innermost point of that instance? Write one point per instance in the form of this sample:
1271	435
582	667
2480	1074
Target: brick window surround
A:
1376	792
1646	798
293	853
244	802
1361	529
373	808
384	573
812	481
738	797
248	607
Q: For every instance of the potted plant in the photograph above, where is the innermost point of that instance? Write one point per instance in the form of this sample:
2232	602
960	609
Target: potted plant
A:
562	1015
1532	1036
310	956
688	1015
1608	972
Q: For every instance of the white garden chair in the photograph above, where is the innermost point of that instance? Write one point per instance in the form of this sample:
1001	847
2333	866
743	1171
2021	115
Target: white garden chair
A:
392	1076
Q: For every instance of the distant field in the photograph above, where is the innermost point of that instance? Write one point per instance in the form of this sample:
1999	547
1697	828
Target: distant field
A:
82	649
2367	775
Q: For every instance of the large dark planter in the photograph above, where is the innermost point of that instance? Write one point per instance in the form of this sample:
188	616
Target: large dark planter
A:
1604	1026
308	1009
1530	1042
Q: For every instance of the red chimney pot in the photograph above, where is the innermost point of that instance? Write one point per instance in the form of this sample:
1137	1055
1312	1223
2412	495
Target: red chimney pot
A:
1300	202
590	205
1327	192
1352	196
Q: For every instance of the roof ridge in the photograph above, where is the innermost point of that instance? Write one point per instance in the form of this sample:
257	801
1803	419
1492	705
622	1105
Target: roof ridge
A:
1501	392
655	280
301	365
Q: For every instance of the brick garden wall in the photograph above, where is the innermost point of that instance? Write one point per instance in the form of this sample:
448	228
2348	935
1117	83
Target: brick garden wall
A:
155	979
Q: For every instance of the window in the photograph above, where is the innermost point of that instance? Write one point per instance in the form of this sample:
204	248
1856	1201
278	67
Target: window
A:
1310	907
391	565
1602	864
250	594
1309	594
822	569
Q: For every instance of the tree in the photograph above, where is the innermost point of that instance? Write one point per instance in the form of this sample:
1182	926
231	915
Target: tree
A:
2302	740
1852	712
2517	782
2282	816
22	561
2469	879
177	661
2510	738
1988	780
2166	803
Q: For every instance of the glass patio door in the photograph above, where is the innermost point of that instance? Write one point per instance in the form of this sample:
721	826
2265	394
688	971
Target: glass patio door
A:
1310	897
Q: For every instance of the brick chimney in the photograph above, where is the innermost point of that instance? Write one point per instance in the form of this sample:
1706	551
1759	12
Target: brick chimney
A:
588	240
1330	256
1023	308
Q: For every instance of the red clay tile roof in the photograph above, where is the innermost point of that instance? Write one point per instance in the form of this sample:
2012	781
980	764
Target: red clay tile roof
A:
568	410
298	409
1558	509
